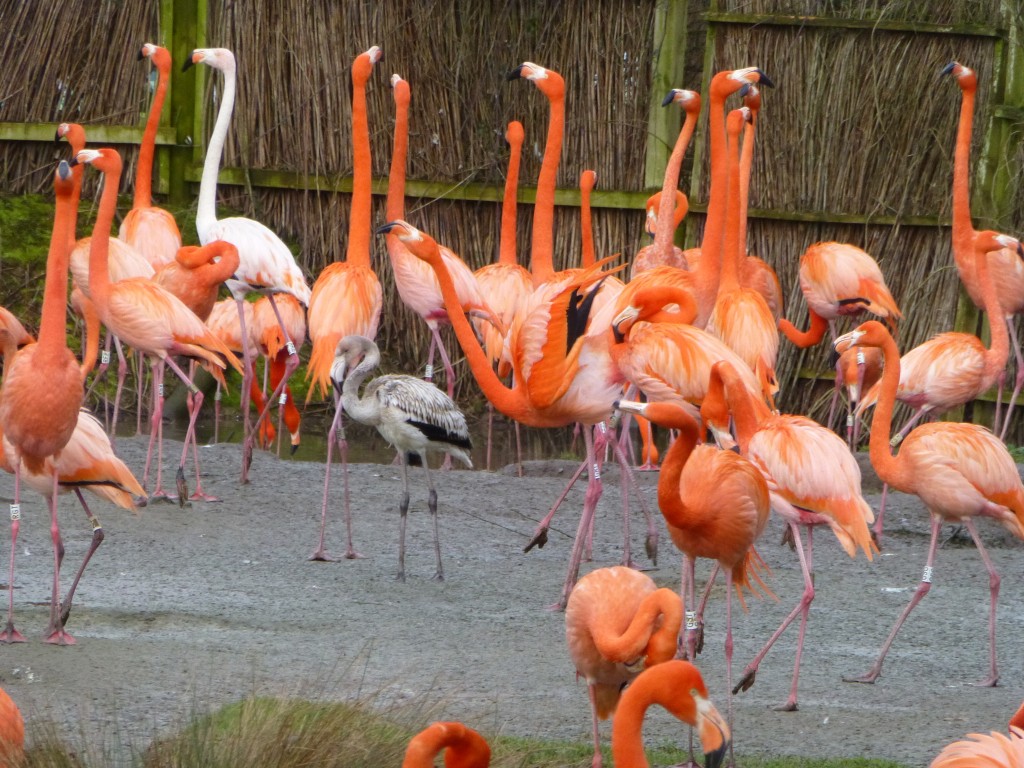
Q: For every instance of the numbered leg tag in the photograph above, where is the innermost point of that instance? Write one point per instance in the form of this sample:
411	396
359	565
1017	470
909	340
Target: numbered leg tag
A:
283	398
861	358
290	347
926	577
160	390
849	419
105	357
597	471
429	373
218	395
15	512
691	620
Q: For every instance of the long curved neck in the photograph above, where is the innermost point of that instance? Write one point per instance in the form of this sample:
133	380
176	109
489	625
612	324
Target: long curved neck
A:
144	173
510	402
466	748
206	209
644	637
76	139
663	235
707	273
661	687
675	460
396	177
741	404
99	277
999	350
963	229
509	205
729	279
890	468
542	248
52	326
354	406
359	218
746	166
588	257
815	331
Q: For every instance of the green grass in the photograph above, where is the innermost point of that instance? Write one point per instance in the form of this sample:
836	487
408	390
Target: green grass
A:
264	732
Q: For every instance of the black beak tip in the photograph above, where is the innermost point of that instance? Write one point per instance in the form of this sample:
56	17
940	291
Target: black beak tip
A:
833	358
515	74
619	338
716	758
140	56
57	137
294	449
187	64
765	80
669	98
383	229
948	69
72	162
1020	250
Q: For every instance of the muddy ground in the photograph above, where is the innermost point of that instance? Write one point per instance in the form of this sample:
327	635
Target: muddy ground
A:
185	609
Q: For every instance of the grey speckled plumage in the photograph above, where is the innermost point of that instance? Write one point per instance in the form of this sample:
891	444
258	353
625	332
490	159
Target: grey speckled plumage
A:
411	414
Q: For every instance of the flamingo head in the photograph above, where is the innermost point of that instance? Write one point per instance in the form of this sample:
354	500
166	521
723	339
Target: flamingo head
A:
363	65
651	224
869	334
420	244
218	58
987	241
549	82
515	134
689	101
588	179
966	77
730	81
751	96
623	322
105	159
160	57
400	88
74	133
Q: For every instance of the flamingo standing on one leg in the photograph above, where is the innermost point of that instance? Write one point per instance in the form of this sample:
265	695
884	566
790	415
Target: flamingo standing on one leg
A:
959	471
42	392
151	230
1007	270
347	296
812	477
677	686
151	319
267	266
617	622
462	746
504	285
716	505
413	415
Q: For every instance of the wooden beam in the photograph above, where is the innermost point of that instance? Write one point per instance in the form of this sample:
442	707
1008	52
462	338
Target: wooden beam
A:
98	134
823	22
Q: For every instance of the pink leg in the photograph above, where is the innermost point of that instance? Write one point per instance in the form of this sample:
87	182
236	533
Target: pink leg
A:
100	372
97	539
122	371
10	634
703	606
428	373
216	413
55	632
490	432
802	609
247	375
651	542
597	760
403	513
993	586
540	534
519	450
728	652
1011	324
190	437
593	495
920	592
140	387
157	430
876	529
449	371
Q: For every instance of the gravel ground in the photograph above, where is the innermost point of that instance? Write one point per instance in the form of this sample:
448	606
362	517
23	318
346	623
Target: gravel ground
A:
185	609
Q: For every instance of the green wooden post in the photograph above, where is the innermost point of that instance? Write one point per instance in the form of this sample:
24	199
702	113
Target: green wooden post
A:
186	31
668	72
700	141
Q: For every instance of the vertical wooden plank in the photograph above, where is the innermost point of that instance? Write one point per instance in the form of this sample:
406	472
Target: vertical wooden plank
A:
161	184
700	139
668	72
188	31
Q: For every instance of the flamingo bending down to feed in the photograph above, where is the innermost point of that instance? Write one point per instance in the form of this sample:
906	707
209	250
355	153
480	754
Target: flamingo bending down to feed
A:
715	505
617	622
813	479
151	230
677	686
959	471
560	375
267	266
152	320
462	746
40	420
12	732
347	296
1007	270
413	415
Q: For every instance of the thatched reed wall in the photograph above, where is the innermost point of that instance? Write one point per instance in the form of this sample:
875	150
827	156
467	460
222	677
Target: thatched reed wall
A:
858	135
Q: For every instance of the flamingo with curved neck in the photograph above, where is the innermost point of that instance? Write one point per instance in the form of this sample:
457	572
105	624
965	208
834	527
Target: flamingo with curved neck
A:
959	471
678	687
151	230
462	746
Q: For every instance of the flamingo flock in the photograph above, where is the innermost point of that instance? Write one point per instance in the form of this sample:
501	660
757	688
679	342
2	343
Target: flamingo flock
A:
688	343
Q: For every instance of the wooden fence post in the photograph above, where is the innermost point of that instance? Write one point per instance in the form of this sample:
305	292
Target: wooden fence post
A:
187	25
667	72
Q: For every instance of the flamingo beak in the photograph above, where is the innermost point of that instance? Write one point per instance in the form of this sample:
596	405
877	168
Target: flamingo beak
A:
385	228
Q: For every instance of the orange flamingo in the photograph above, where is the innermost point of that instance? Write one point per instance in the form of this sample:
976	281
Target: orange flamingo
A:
12	732
677	686
812	477
660	205
1007	270
347	296
741	317
462	746
271	344
953	368
196	273
223	323
39	420
267	265
504	285
991	750
858	371
415	282
715	504
152	320
560	376
959	471
151	230
617	623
